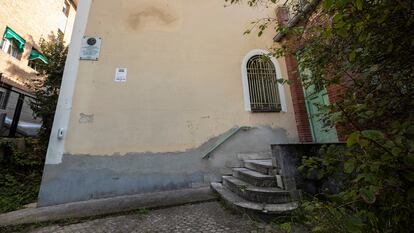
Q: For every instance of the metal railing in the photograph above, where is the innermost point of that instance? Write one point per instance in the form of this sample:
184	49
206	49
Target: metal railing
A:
224	139
16	116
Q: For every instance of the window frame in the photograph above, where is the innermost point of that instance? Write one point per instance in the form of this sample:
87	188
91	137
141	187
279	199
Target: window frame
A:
245	81
66	8
9	46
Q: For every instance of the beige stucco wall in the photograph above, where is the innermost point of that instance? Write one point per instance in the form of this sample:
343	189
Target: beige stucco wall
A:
32	20
184	82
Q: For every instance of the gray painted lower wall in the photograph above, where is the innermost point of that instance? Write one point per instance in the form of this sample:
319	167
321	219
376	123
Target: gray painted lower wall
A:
85	177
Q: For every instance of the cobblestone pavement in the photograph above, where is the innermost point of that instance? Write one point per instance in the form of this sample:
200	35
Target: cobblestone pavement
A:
205	217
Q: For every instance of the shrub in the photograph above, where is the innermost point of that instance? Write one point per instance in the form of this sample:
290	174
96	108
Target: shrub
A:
20	174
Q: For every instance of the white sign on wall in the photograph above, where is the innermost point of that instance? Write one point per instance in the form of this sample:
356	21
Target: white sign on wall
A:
91	48
121	74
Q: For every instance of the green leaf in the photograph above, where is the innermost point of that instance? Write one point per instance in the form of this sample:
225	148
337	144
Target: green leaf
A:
349	166
353	138
337	18
359	177
396	150
370	178
409	160
352	56
358	4
287	226
410	130
373	134
353	224
327	4
281	81
368	194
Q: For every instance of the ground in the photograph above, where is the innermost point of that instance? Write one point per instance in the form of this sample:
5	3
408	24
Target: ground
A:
202	217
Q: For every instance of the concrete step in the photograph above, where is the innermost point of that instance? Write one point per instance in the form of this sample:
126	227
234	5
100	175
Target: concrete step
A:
264	166
259	155
255	178
244	205
252	193
234	164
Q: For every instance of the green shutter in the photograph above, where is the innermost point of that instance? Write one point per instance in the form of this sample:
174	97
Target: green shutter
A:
36	55
11	35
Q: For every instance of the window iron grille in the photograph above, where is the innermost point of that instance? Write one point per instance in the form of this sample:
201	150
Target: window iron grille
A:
263	85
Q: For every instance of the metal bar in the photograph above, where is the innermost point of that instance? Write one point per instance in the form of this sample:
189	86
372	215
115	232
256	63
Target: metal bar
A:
16	117
224	139
273	87
257	85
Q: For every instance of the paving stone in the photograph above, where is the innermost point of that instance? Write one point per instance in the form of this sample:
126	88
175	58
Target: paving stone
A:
204	217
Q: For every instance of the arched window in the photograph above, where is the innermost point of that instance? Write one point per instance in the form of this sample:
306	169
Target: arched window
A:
263	92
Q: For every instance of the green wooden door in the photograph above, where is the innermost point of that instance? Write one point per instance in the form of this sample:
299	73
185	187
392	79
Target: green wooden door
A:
320	132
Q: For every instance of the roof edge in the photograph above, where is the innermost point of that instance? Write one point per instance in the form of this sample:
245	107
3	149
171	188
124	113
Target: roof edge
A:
309	7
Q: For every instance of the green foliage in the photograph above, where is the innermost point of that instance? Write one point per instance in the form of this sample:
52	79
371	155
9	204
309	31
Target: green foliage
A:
367	47
47	87
20	174
329	217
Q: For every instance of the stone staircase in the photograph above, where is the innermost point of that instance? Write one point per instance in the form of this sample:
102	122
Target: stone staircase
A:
257	186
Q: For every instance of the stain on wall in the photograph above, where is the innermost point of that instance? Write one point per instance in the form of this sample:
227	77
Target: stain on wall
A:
86	118
162	17
153	15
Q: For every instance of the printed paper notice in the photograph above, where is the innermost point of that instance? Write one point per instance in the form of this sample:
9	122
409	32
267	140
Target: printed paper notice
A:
121	74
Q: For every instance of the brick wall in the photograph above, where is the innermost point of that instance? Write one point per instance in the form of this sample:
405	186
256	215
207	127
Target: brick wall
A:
301	114
334	93
296	88
298	98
